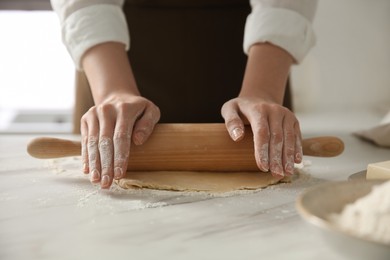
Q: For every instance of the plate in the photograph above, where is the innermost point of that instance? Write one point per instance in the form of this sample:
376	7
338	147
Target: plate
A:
317	203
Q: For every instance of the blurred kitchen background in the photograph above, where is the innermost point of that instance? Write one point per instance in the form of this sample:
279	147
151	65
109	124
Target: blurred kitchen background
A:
343	83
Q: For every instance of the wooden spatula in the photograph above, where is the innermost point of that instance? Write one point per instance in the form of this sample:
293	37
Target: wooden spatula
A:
188	147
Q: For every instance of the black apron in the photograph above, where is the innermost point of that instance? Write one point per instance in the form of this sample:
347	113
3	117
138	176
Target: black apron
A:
187	55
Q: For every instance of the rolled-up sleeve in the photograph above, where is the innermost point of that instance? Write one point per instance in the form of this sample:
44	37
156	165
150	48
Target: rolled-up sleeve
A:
86	23
284	23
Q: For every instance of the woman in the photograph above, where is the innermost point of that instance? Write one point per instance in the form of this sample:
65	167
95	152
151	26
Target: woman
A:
186	61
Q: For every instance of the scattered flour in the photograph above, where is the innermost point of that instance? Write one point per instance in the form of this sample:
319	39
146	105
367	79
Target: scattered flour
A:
369	216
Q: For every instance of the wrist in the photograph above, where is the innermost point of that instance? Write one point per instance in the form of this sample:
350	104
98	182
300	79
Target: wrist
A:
266	73
109	72
117	95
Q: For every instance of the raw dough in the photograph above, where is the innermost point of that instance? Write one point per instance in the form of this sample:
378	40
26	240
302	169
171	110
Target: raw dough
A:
199	181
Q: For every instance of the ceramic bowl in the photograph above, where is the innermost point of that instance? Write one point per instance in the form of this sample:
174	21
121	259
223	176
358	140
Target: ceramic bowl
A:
317	203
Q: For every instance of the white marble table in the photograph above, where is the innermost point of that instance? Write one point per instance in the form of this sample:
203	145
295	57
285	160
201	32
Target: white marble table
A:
49	210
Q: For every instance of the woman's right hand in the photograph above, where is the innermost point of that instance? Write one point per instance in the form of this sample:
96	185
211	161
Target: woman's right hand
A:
108	130
121	116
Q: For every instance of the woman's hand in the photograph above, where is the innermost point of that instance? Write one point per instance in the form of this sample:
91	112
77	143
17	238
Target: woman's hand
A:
107	131
276	132
120	117
277	137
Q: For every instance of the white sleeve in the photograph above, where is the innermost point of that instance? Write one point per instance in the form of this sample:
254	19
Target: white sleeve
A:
284	23
86	23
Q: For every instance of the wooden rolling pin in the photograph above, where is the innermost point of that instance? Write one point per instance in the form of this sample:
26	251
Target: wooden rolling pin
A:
188	147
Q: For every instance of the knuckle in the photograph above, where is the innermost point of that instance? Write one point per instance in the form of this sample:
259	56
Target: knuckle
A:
289	150
289	135
84	118
260	107
92	139
123	106
267	107
274	106
121	134
91	112
105	140
147	125
276	136
104	108
228	104
234	121
120	161
92	142
262	131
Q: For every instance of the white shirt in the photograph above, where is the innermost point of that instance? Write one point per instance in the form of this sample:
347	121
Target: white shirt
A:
284	23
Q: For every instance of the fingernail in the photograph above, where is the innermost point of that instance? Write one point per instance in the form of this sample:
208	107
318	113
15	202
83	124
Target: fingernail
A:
105	180
118	173
139	138
237	133
95	175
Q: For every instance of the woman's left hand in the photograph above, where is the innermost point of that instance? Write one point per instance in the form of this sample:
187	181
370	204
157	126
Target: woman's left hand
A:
276	132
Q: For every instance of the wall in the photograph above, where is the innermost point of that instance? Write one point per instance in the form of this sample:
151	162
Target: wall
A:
349	68
37	74
25	5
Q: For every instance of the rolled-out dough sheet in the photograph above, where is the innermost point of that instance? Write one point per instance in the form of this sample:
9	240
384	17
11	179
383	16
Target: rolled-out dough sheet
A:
199	181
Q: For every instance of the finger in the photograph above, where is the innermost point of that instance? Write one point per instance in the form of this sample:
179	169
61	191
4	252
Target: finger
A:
288	145
276	142
145	124
106	151
122	141
84	143
298	144
92	146
233	122
106	115
261	137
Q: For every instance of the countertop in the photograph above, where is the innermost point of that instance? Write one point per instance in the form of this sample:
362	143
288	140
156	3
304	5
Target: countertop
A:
49	210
